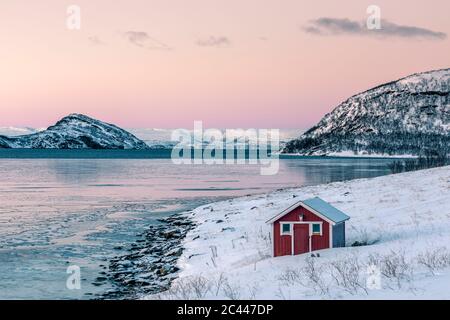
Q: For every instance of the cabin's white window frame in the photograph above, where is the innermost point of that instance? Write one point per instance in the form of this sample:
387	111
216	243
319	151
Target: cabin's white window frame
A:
291	229
312	229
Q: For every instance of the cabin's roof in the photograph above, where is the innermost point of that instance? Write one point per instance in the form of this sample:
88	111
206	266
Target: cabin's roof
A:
326	209
320	207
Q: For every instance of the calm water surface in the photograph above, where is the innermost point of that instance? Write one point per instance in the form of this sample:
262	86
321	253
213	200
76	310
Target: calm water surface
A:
58	212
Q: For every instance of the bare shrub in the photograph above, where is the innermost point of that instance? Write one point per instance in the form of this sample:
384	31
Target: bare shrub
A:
213	255
435	259
312	276
265	237
218	283
374	259
200	286
188	288
232	292
179	290
262	253
395	267
290	277
347	274
280	294
253	290
213	251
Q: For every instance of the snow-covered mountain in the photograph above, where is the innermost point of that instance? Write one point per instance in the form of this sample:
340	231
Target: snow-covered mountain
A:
409	116
76	131
155	138
161	138
18	131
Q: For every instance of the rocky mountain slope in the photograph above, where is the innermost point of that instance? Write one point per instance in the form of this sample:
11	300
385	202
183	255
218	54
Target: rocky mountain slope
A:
76	131
410	116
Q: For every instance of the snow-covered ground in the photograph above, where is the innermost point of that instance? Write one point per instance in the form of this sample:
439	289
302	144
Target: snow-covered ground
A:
351	154
404	219
367	155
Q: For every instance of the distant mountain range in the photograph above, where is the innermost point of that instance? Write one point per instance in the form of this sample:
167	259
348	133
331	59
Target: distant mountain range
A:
410	116
79	131
76	131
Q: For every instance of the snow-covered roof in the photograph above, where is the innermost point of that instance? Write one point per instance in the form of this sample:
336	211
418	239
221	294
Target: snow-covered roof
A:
326	209
318	205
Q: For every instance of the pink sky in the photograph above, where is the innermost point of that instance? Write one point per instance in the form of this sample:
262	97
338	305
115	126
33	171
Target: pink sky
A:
264	71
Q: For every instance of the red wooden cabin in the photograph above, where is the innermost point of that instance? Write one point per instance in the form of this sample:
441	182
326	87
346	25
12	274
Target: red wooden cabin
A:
307	226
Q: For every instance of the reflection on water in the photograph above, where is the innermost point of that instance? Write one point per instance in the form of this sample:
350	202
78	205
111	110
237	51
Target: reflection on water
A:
59	212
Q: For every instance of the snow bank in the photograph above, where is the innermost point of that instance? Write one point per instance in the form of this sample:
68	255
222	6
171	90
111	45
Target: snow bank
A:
404	219
351	154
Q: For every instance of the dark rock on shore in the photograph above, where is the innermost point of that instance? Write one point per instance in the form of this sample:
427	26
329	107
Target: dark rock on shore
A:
150	264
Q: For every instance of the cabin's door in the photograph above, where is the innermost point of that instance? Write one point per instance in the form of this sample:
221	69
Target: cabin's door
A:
301	238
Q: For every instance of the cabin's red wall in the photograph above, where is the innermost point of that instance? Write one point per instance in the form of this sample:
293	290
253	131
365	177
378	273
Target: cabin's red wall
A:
282	244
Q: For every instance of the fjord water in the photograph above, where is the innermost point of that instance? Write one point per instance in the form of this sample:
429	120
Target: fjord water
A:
86	207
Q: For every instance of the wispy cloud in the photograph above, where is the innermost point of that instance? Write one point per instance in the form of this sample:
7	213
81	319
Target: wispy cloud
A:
334	26
96	41
143	40
214	41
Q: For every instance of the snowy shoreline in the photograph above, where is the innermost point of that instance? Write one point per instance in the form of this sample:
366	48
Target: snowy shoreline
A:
351	154
150	264
404	219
